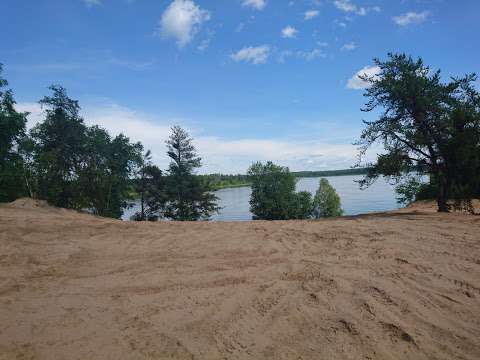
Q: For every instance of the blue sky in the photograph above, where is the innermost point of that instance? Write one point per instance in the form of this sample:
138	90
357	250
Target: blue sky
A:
250	79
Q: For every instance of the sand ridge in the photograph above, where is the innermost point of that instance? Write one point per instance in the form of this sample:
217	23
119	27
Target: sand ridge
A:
401	285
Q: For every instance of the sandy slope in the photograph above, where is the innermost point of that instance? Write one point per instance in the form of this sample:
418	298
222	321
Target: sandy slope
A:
385	286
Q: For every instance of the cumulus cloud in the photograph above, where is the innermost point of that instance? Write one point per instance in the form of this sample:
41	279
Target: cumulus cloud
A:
310	14
254	55
289	32
219	154
348	46
255	4
356	83
182	20
411	18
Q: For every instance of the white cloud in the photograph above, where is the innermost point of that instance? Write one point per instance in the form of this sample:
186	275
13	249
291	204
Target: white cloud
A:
411	18
222	155
289	32
255	4
311	55
254	55
182	20
218	154
348	6
356	83
91	3
310	14
348	46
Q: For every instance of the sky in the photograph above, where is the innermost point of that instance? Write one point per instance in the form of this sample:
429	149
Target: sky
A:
249	79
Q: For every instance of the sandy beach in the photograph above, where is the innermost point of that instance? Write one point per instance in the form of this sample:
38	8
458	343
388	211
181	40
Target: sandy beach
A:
399	285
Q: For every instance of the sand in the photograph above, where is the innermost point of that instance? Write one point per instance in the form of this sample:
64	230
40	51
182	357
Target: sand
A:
402	285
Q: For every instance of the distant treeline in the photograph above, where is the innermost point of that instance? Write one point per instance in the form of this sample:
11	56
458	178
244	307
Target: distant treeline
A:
323	173
222	181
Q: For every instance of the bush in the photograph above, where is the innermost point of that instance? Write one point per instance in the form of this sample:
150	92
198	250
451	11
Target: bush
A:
273	194
326	202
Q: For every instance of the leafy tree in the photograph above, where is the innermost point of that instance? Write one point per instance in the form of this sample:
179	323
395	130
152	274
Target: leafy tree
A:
107	167
94	180
12	133
81	167
273	194
326	202
417	126
302	206
189	198
123	160
59	147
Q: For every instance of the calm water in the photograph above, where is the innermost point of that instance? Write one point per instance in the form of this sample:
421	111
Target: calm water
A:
379	197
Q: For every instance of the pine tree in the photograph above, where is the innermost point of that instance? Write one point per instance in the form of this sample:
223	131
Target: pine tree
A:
189	198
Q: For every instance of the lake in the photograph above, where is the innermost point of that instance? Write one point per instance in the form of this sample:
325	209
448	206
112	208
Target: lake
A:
378	197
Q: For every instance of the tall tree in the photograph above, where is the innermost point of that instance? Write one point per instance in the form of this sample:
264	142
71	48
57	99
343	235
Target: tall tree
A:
13	178
59	147
416	124
189	198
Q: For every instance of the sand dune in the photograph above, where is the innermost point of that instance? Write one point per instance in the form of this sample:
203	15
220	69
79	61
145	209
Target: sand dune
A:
402	285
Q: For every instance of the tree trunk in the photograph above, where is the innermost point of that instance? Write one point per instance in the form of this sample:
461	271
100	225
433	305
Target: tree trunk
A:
442	196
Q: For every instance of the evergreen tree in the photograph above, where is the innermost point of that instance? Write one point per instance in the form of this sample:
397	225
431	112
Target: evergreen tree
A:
155	194
150	185
419	125
13	178
326	202
59	147
189	198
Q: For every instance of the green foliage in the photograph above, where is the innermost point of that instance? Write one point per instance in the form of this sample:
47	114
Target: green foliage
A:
189	198
426	125
59	146
326	202
81	167
107	167
302	206
150	186
273	194
12	135
221	181
343	172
